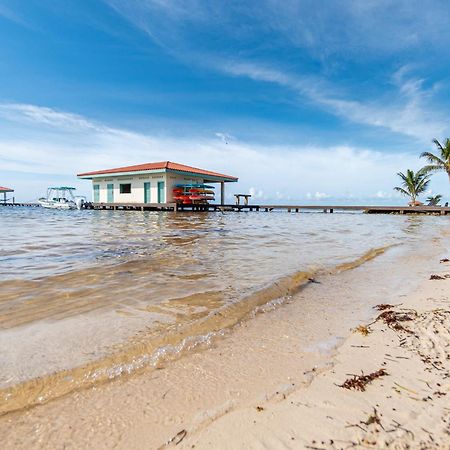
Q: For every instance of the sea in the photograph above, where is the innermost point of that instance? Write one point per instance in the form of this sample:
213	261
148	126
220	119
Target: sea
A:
88	296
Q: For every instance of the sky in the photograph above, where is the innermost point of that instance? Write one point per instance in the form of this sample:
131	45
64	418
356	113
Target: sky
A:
304	100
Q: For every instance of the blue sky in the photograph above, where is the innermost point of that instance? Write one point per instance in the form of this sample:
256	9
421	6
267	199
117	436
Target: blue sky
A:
304	100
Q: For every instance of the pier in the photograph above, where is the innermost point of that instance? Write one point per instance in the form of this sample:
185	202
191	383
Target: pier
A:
30	205
215	207
436	210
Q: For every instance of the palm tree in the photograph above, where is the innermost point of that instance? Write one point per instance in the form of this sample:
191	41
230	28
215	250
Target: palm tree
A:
414	183
438	162
434	200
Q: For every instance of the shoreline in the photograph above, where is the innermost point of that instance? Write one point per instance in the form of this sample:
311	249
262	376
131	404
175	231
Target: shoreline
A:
405	406
266	360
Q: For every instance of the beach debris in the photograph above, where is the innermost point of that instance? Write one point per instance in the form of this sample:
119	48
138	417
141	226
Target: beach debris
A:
177	438
383	306
259	408
373	419
406	389
363	329
359	382
313	280
439	277
444	260
393	318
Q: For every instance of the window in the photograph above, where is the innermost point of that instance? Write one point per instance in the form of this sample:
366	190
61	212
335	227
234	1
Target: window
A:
96	193
125	188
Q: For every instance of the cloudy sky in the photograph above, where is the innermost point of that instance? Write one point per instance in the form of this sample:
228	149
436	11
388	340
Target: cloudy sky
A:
303	100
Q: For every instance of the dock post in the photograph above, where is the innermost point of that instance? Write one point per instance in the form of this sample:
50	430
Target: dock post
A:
331	210
222	193
296	210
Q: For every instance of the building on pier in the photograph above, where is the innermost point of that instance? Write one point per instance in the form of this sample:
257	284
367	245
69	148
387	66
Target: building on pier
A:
4	191
151	183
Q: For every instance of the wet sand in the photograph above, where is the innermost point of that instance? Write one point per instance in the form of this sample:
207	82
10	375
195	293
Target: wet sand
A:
287	353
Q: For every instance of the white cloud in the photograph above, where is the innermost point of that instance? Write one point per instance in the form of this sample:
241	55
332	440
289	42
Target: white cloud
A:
347	28
49	143
406	111
317	195
256	194
224	137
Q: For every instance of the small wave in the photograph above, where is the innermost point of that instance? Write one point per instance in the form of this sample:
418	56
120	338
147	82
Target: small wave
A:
151	352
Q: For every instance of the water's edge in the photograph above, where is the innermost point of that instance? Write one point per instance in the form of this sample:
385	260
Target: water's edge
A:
145	353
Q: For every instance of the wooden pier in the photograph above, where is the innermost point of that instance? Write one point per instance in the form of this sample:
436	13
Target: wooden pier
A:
30	205
435	210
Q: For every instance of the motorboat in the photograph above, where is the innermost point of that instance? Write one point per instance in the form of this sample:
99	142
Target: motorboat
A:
62	197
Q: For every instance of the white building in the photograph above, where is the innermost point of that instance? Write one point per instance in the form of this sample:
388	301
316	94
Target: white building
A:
149	183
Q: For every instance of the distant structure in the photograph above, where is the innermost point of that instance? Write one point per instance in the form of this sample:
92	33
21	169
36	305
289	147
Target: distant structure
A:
4	191
158	182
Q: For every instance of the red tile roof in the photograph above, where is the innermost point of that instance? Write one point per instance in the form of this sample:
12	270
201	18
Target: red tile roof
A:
168	165
5	189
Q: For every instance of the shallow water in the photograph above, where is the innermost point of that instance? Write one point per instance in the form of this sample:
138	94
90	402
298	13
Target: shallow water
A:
86	296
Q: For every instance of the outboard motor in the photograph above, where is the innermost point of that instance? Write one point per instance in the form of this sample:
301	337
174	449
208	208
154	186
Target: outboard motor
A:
79	202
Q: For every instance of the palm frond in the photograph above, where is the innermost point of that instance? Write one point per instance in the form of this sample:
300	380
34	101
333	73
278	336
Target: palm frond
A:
402	191
438	145
431	168
433	159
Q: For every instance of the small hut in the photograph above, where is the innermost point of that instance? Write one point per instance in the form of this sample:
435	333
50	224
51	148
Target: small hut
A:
4	191
158	182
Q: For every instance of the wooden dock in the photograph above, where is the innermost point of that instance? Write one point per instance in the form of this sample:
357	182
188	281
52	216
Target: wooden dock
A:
30	205
435	210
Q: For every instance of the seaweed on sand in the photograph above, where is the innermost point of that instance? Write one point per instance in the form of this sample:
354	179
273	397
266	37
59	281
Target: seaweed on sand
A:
383	306
359	382
439	277
363	329
393	318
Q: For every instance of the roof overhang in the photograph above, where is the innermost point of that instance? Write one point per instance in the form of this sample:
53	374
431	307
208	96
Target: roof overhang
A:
208	178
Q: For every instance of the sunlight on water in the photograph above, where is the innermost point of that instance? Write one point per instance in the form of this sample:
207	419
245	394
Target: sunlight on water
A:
88	295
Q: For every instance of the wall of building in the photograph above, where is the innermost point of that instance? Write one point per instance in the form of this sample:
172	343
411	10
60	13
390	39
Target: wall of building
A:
137	187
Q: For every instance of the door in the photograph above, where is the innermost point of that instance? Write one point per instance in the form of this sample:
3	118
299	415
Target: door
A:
161	192
110	188
96	193
146	192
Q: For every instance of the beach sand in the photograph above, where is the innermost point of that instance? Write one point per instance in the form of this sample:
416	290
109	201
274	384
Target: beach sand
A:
408	408
274	381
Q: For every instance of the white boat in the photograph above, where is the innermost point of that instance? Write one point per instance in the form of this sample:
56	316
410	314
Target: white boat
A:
61	198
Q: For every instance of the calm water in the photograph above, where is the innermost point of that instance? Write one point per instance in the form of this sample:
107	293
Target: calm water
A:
86	296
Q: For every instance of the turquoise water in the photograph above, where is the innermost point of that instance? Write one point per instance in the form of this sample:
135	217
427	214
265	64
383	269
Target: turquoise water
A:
86	295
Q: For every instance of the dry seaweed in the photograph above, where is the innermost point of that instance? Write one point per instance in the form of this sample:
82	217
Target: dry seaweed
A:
393	318
383	306
363	329
359	382
439	277
373	419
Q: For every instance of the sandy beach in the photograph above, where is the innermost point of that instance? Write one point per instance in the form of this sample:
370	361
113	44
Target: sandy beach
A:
404	407
275	381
